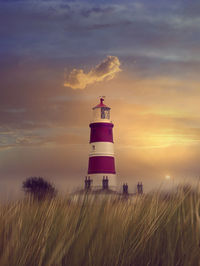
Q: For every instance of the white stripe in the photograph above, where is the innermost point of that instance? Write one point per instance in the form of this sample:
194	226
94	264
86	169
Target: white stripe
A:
101	149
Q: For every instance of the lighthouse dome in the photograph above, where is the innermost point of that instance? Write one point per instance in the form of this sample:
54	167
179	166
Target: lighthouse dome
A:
101	112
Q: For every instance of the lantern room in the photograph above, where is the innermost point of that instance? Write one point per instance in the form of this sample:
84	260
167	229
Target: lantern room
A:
101	112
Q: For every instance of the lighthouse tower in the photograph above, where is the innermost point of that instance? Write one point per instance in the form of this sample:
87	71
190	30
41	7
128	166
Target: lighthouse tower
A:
101	157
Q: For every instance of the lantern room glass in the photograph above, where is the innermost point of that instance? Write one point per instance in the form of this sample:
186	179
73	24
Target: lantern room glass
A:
105	113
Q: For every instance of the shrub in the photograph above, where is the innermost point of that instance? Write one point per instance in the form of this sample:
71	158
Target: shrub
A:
38	188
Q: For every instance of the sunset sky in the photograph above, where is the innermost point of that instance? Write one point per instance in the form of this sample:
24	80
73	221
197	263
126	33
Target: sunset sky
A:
58	56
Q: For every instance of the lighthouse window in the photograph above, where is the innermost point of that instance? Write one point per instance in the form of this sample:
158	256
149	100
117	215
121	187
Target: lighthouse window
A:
93	147
105	113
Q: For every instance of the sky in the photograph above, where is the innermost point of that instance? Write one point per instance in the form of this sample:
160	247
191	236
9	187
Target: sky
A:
58	57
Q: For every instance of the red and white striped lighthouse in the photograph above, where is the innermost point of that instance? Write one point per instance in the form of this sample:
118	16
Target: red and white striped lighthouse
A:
101	156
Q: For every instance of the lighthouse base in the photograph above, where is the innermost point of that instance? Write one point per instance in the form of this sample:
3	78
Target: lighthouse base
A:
97	180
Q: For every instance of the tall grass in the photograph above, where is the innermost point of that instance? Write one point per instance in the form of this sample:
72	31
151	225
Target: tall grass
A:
154	229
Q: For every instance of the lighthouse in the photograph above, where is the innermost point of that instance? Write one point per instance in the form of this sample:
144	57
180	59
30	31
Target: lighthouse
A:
101	165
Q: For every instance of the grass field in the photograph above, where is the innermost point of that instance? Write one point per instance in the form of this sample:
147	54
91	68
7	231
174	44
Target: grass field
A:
153	229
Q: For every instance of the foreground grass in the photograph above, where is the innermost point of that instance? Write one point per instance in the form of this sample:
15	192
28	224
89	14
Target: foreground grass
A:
148	230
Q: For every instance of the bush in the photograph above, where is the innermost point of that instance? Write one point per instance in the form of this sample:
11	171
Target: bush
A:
38	188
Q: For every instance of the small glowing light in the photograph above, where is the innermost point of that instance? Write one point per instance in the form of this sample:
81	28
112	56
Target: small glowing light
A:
167	176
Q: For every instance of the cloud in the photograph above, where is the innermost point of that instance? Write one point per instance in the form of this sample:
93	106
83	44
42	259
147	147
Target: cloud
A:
86	12
106	70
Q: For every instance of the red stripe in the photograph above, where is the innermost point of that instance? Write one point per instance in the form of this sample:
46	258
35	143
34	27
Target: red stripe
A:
101	132
101	164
